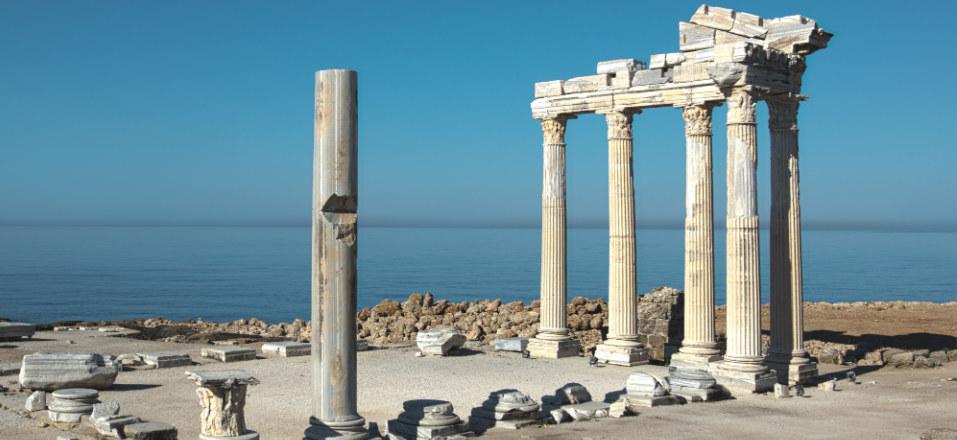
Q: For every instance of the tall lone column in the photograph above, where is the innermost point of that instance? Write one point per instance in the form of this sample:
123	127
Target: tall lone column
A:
743	366
334	201
553	339
622	346
786	353
698	348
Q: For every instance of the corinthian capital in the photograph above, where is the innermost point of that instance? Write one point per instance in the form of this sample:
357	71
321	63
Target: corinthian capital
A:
553	129
741	106
697	120
619	125
782	113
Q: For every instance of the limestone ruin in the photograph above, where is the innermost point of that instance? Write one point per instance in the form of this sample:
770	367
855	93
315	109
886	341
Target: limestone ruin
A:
222	394
728	57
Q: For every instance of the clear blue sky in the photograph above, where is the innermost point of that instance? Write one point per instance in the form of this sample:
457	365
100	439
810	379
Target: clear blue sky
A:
201	112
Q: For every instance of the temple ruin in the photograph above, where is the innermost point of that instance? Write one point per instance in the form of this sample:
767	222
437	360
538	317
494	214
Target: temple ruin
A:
724	56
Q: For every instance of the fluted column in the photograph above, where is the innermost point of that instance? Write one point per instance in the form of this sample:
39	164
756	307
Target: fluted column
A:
698	346
335	195
622	346
786	353
743	352
553	339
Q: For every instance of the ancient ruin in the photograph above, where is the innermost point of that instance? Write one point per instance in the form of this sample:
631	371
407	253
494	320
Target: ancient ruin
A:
222	394
725	57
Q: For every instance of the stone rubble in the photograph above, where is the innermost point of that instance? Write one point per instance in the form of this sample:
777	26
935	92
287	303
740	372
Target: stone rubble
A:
150	431
439	341
16	330
229	353
509	409
37	401
427	420
643	389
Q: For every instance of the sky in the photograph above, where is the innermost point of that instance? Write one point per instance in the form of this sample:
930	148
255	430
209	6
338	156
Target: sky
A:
184	112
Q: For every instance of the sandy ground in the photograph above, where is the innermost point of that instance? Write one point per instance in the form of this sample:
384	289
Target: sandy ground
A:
902	404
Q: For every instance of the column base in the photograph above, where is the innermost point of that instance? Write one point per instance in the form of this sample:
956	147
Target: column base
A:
352	430
794	373
553	349
737	378
623	355
251	435
693	361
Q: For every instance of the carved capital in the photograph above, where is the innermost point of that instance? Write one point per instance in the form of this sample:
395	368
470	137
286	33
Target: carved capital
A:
553	129
619	125
697	120
782	113
741	106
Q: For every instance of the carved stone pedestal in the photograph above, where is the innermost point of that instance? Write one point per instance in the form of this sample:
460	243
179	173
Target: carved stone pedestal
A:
794	373
553	349
222	394
427	419
740	380
624	355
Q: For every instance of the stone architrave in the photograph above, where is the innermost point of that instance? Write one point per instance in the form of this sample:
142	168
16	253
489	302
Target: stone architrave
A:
286	349
553	339
427	420
742	368
53	371
786	355
509	409
439	341
229	353
699	347
16	330
166	359
622	346
335	200
222	394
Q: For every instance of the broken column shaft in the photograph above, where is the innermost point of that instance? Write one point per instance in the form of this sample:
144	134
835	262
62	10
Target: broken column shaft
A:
335	199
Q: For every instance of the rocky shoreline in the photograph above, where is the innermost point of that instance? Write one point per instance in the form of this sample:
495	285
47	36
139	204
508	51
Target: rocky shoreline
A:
393	323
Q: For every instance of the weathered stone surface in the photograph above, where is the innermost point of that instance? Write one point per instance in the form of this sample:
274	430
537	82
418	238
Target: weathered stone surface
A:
229	353
427	420
505	409
286	349
105	410
16	330
511	344
440	341
573	393
167	359
150	431
52	371
70	404
644	384
587	410
37	401
222	394
9	368
939	434
113	426
781	391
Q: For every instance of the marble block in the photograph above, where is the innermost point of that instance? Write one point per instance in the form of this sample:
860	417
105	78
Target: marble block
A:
587	410
427	420
573	393
511	344
643	389
286	349
37	401
626	356
506	409
16	330
52	371
70	404
9	368
694	385
229	353
439	341
166	359
550	349
736	380
150	431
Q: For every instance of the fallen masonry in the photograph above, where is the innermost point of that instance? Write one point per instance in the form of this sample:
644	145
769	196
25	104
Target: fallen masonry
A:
16	330
71	404
227	353
510	409
694	385
439	341
643	389
511	344
286	349
166	359
428	420
37	401
576	404
150	431
52	371
222	394
108	422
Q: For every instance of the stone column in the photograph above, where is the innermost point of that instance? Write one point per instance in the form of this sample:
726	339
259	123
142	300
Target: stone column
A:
622	346
334	198
698	348
786	353
743	366
553	339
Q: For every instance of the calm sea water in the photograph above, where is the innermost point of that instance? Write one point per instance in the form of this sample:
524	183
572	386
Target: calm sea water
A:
224	273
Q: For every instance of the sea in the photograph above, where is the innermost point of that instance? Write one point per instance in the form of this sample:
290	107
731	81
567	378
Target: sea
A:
57	273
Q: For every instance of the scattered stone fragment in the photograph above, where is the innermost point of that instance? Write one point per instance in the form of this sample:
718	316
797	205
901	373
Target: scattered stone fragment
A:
940	434
130	359
108	422
51	371
781	391
559	416
150	431
16	330
506	409
229	353
830	385
286	349
573	393
439	341
427	420
693	385
621	408
587	410
37	401
166	359
798	390
644	389
517	345
9	368
70	404
223	397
